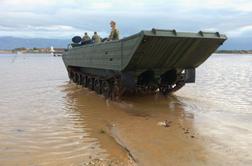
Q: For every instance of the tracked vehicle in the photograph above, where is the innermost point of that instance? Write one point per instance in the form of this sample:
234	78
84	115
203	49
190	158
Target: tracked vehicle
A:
149	61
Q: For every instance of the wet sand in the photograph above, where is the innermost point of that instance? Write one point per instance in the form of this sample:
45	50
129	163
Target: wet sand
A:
134	133
47	120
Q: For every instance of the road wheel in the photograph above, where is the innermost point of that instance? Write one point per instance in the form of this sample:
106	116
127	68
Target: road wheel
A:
74	77
115	90
105	89
97	86
78	79
90	83
84	80
70	75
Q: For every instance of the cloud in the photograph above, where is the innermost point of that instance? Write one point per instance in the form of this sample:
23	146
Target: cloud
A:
63	18
52	31
101	5
244	31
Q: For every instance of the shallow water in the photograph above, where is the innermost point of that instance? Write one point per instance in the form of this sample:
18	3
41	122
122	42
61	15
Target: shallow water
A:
46	120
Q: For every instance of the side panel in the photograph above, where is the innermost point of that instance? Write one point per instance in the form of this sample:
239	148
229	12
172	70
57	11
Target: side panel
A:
99	56
156	50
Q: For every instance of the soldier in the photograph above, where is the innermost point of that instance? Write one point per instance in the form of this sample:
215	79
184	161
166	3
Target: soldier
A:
86	39
114	34
96	38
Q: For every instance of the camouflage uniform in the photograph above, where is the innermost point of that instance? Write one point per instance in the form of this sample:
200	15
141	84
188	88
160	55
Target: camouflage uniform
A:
114	34
96	38
85	38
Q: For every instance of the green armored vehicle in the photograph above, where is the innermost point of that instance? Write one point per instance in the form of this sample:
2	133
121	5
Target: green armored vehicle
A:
149	61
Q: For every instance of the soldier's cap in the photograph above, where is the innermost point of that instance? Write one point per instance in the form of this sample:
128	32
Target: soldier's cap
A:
112	22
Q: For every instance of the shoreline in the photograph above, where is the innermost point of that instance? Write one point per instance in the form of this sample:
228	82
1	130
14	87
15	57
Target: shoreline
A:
239	52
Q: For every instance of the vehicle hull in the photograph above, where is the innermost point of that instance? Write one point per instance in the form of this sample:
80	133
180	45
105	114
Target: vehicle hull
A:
161	57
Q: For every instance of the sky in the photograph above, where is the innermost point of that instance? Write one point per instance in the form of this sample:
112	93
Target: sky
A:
63	19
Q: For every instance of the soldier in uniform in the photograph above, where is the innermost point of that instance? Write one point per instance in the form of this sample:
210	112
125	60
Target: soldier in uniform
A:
114	34
86	39
96	38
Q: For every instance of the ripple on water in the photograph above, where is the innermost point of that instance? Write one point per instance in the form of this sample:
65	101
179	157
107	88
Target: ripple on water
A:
39	121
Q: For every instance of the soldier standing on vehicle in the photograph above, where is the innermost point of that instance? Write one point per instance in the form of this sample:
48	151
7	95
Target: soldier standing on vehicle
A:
86	39
96	38
114	34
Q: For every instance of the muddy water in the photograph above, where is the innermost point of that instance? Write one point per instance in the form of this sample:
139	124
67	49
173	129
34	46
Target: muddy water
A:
45	120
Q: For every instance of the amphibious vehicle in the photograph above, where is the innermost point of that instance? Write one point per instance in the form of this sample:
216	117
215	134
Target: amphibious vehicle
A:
149	61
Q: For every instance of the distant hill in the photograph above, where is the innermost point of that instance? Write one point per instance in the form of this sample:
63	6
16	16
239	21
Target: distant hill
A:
14	42
8	43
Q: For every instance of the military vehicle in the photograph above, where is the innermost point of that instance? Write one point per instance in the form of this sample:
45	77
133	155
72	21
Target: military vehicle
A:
149	61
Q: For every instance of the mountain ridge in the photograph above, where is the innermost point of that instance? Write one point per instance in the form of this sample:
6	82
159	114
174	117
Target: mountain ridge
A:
9	43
